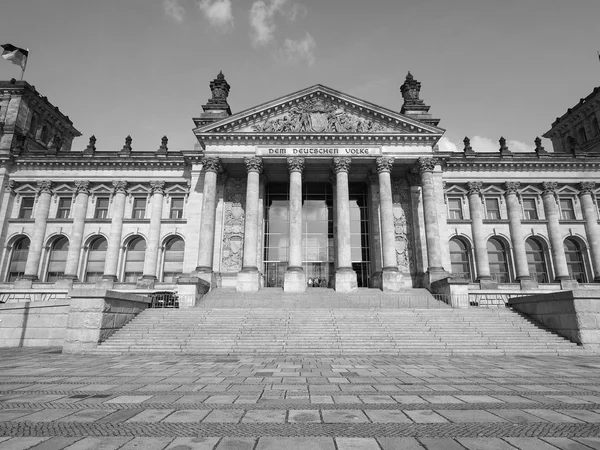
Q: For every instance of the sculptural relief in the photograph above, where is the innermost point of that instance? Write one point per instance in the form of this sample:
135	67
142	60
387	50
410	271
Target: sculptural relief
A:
317	116
402	217
233	225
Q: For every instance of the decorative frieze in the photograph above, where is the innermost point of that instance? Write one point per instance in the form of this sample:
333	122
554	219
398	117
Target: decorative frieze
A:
253	164
384	164
342	164
295	164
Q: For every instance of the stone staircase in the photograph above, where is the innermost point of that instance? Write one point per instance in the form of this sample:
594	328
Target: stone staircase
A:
324	328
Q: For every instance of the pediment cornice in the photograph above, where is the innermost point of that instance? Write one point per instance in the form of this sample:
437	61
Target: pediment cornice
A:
522	163
319	115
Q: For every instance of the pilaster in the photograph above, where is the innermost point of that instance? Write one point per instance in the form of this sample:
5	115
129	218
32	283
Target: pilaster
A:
592	229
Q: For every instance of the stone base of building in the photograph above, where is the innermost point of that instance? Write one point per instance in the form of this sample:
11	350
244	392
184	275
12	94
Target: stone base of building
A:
106	282
345	280
434	274
146	282
65	282
569	284
376	281
294	280
205	275
248	280
23	283
528	283
392	280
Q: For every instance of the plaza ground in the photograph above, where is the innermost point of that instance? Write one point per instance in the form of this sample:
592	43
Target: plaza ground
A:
52	401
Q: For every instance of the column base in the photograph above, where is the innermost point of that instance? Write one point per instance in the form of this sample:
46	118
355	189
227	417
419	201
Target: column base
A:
392	280
106	282
206	274
24	283
434	274
345	280
146	282
569	284
248	280
528	283
66	281
294	280
376	281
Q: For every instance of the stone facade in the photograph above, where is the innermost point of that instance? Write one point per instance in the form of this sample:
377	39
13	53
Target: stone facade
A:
316	188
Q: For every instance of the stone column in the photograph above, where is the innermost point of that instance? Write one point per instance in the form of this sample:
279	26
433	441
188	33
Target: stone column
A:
561	269
248	279
44	196
591	224
391	276
375	232
82	192
116	231
295	277
151	257
482	262
211	167
513	206
435	271
345	276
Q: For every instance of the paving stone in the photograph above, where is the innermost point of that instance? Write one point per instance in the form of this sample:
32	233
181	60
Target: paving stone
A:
425	416
145	443
552	416
295	443
357	444
86	415
484	444
193	443
103	443
441	399
344	416
399	444
22	443
529	443
264	416
224	416
186	416
47	415
565	443
440	444
304	416
151	415
230	443
516	415
592	442
127	399
469	416
386	416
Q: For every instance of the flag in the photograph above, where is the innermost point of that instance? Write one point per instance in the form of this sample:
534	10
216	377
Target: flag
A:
15	55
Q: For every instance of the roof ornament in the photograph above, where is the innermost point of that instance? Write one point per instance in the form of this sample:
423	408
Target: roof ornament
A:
468	149
126	150
503	147
539	149
162	150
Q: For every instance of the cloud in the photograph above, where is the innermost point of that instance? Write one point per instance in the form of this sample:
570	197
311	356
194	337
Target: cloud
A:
301	49
481	144
446	145
217	12
174	10
262	18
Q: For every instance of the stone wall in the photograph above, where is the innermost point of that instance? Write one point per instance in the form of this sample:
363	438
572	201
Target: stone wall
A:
572	314
95	314
34	324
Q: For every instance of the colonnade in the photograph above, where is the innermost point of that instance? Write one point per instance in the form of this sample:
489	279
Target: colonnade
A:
555	231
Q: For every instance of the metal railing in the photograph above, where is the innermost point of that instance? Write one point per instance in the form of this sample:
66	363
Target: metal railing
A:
32	295
164	300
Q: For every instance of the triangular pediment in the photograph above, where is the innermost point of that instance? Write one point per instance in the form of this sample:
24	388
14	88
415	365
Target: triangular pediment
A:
319	111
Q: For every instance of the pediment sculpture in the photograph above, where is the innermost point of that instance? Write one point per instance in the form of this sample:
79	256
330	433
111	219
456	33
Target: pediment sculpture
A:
316	116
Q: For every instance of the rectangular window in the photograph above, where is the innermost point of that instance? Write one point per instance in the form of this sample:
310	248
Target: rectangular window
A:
530	209
26	211
176	208
101	208
64	208
455	208
139	208
566	209
492	208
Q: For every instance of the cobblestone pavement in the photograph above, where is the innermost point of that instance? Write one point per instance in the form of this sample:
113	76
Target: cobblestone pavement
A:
54	401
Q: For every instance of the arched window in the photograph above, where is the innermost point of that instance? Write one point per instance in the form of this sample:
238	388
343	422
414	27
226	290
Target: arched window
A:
498	261
95	260
536	260
582	136
45	134
595	127
460	259
57	259
18	258
134	260
173	259
33	126
575	260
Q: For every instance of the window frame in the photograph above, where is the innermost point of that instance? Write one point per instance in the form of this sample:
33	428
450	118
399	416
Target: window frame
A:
134	209
23	209
172	209
563	210
60	209
487	210
459	210
97	209
535	208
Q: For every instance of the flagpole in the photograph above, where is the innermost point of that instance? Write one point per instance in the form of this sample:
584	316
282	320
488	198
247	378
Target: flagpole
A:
25	65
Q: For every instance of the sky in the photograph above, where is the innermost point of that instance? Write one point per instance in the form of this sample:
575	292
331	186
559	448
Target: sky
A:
143	67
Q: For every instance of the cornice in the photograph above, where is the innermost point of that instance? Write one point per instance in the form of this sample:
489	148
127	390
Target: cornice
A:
551	163
95	163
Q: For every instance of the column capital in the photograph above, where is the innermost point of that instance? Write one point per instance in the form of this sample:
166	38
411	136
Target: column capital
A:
44	186
157	187
254	164
587	187
384	164
474	187
212	164
549	187
512	187
426	164
82	187
295	164
341	164
120	187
